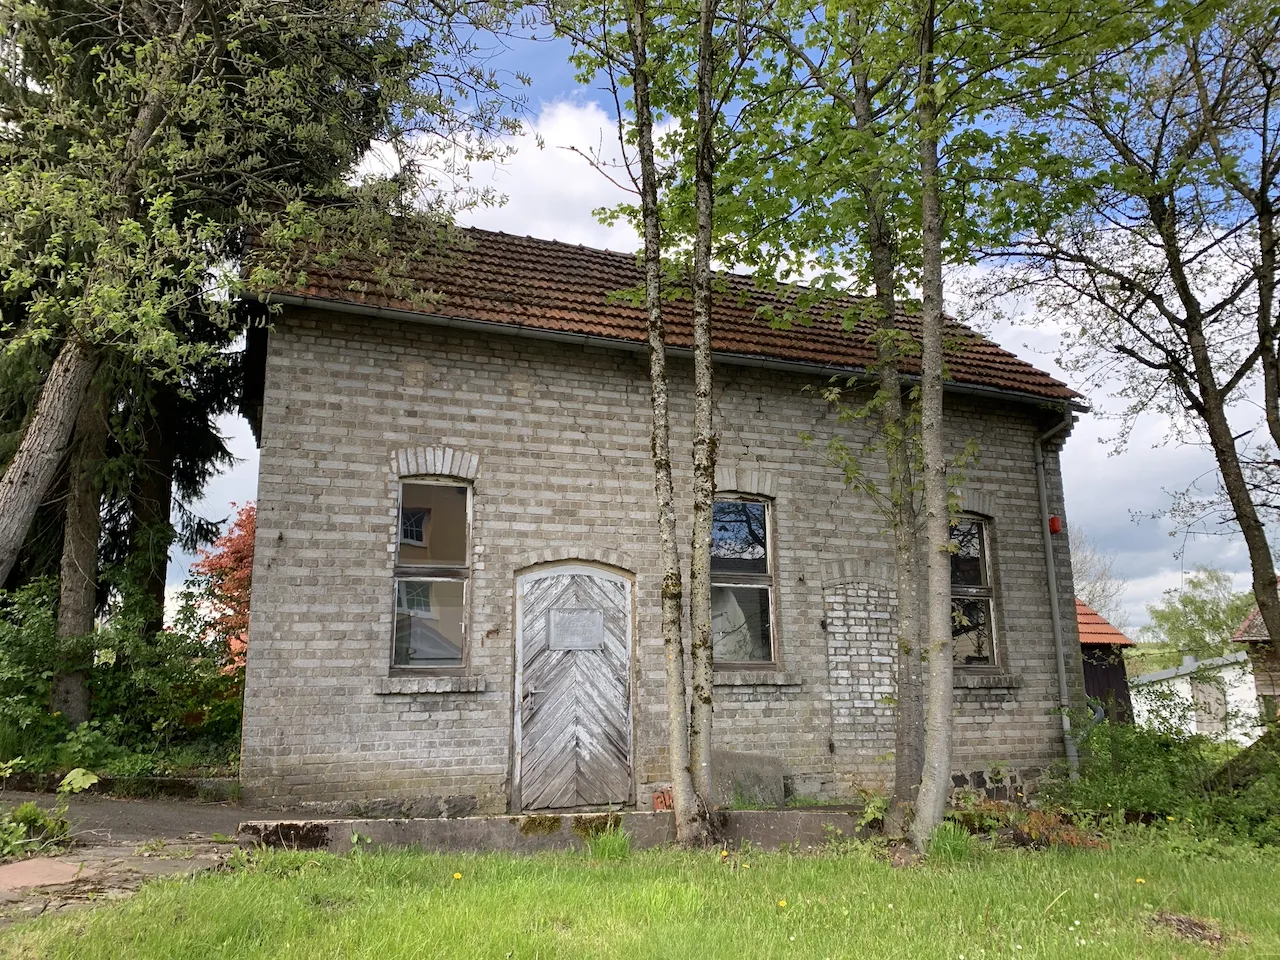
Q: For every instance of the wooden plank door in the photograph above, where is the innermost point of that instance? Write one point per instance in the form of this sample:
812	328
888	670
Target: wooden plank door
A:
573	707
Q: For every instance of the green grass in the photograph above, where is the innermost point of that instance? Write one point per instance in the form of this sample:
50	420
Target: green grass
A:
384	906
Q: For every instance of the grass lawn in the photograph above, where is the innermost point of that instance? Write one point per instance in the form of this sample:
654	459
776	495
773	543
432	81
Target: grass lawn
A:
661	904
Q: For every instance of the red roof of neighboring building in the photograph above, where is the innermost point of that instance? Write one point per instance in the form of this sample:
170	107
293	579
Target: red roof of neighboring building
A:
558	287
1094	627
1252	630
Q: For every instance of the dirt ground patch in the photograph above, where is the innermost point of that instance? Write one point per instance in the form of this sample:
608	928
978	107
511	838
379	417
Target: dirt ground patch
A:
118	845
1192	929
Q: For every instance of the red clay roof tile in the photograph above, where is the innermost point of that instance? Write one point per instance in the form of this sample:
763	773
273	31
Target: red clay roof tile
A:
1252	629
1094	628
550	286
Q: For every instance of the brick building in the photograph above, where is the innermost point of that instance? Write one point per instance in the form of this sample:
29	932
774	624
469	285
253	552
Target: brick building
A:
456	575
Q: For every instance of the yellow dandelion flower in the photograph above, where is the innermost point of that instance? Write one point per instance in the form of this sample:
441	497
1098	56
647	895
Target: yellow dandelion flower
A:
724	853
1171	819
1140	880
782	903
457	876
746	866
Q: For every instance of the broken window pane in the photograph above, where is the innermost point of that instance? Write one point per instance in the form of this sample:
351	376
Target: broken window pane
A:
433	525
969	561
740	624
429	623
739	537
971	637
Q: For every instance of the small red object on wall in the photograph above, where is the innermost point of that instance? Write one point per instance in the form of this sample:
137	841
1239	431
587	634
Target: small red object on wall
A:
1055	524
662	800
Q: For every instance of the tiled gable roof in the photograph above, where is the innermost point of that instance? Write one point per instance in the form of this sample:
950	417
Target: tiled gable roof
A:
1252	630
1094	627
543	285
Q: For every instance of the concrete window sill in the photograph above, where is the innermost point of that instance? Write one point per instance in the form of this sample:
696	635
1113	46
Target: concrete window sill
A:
985	681
757	678
393	686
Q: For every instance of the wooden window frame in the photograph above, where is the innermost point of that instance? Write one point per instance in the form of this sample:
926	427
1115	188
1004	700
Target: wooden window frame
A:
433	572
767	580
987	592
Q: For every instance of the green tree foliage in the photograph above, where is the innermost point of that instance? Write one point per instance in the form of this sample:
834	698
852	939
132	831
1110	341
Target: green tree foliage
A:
874	147
1157	241
1199	618
153	696
144	145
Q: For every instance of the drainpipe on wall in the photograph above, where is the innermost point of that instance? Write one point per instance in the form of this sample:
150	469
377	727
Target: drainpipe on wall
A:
1064	693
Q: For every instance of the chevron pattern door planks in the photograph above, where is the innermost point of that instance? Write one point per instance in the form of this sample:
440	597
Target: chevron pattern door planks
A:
575	696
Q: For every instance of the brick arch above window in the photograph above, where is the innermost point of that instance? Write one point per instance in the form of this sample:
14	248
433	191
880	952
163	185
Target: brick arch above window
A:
852	570
580	554
976	502
746	479
437	461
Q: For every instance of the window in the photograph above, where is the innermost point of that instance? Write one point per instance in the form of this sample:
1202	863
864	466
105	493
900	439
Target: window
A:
432	570
741	582
972	629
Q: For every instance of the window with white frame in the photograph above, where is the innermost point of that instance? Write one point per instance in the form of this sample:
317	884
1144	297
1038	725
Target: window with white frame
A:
972	595
741	581
432	571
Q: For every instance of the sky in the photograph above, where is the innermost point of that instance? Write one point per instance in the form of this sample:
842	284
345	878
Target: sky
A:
551	194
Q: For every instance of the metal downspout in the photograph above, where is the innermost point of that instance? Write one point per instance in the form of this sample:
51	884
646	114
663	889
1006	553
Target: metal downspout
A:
1051	568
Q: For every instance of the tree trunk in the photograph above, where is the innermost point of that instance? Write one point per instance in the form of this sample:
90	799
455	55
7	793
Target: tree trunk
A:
44	444
1206	397
704	441
152	533
1261	559
895	435
1269	359
935	785
690	819
78	581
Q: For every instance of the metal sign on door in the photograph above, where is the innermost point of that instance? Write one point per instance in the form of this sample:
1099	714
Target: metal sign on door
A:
573	717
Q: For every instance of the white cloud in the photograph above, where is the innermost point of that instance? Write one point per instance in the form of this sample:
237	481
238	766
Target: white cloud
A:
551	191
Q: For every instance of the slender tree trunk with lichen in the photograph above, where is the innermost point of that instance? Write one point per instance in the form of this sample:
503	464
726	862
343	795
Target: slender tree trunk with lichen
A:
691	821
935	784
895	437
704	440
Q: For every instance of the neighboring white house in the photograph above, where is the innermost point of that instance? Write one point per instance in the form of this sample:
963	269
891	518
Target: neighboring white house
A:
1215	697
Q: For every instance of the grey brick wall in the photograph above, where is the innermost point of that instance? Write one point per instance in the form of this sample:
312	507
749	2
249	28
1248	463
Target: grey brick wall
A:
555	438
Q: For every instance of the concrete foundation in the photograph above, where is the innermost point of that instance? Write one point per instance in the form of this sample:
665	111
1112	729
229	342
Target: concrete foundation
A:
762	829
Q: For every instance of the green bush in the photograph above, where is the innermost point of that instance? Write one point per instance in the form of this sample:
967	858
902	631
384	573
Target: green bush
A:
158	696
39	824
29	648
1158	777
30	829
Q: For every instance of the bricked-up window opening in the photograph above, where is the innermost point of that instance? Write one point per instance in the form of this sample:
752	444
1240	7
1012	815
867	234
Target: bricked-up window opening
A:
972	630
432	571
741	582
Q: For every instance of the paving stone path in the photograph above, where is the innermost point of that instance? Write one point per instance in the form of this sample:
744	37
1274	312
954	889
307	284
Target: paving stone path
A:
119	844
